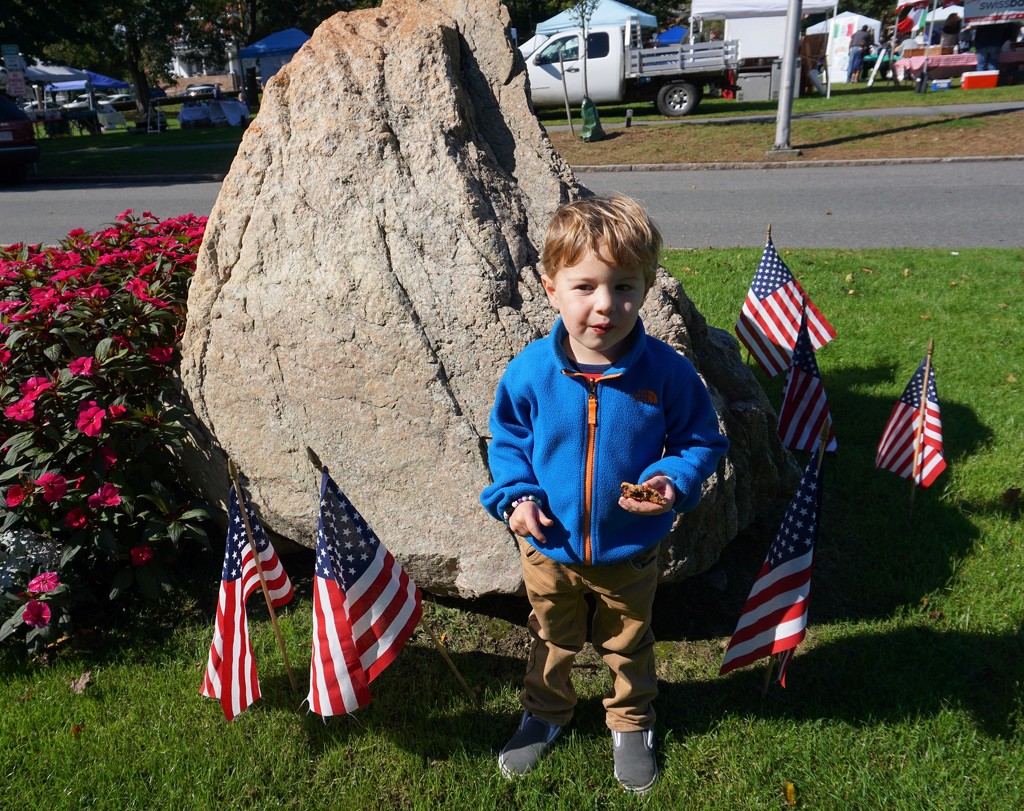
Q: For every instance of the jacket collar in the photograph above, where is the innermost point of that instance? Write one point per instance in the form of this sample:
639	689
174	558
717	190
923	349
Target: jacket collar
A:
638	337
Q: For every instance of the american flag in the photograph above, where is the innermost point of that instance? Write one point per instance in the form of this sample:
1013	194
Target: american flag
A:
804	405
365	607
899	445
774	618
770	318
231	668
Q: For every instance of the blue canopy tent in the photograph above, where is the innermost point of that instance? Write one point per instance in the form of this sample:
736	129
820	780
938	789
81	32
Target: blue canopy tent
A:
97	80
607	12
672	36
273	52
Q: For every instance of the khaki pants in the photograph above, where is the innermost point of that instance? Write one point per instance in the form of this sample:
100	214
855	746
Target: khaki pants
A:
621	635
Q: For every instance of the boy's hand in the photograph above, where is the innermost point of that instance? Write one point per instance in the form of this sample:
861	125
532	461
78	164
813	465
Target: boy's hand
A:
526	521
663	484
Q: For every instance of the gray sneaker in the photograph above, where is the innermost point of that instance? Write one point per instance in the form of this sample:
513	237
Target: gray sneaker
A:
524	750
636	767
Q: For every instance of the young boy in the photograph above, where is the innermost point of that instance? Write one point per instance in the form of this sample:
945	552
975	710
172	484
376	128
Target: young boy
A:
595	404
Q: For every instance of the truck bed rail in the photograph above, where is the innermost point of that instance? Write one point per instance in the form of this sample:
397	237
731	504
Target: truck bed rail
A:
698	57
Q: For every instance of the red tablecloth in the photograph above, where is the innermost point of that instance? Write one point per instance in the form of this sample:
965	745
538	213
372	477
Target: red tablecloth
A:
948	66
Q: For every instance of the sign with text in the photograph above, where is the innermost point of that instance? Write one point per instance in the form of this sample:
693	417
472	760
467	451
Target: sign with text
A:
993	11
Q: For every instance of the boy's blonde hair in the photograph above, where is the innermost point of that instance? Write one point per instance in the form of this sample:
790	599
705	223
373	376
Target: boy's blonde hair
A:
616	228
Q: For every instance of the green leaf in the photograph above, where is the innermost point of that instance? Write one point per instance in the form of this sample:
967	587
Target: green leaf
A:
174	531
54	352
103	349
122	580
68	553
13	472
106	542
12	624
17	443
195	512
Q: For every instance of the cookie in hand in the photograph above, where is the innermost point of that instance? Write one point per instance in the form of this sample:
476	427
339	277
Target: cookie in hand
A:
641	492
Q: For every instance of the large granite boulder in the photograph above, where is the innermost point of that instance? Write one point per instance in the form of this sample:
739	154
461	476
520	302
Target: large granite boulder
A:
369	269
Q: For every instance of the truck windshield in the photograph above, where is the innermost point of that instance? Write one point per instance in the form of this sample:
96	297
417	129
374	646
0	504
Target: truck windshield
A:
568	49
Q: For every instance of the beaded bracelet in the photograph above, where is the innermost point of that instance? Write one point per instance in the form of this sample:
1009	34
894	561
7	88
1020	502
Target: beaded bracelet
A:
507	514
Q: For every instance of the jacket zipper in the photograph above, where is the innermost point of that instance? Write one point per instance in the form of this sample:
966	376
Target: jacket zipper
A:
588	484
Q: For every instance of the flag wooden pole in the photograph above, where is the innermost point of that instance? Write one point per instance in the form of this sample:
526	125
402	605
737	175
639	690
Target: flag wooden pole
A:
233	473
919	431
315	461
822	442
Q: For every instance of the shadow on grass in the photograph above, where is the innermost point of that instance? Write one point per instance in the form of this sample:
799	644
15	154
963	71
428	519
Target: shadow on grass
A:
875	677
917	127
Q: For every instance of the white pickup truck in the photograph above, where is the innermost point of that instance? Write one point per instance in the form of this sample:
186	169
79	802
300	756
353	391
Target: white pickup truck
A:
619	69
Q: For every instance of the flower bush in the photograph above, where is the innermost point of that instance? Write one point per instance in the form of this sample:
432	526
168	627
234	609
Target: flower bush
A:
90	428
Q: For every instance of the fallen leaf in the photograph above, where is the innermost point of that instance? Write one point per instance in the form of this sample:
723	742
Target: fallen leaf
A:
954	283
1011	378
851	292
925	316
26	696
867	270
78	685
954	253
444	638
828	213
849	278
1003	306
790	793
76	729
906	272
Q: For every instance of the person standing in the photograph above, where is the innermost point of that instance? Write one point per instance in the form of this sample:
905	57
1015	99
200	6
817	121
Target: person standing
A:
578	417
859	44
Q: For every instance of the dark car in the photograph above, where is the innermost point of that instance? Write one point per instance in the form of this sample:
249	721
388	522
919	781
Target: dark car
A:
18	147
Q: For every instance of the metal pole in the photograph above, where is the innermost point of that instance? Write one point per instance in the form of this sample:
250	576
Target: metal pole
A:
789	53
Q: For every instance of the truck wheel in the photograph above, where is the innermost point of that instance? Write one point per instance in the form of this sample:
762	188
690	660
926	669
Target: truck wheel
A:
678	98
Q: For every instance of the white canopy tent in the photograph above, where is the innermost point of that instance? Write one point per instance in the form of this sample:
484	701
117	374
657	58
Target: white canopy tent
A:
607	12
758	25
840	30
738	9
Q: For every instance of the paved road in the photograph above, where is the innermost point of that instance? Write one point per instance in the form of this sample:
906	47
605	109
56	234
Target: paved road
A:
949	205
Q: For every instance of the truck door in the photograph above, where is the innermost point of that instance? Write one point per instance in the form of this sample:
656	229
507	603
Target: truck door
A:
546	75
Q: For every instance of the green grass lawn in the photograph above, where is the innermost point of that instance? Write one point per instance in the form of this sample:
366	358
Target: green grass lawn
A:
907	694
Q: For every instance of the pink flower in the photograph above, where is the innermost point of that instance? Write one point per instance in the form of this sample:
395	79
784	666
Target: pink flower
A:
40	584
15	495
137	287
35	386
107	455
54	487
107	496
124	215
5	355
83	366
90	418
141	555
76	518
36	614
161	354
116	411
21	411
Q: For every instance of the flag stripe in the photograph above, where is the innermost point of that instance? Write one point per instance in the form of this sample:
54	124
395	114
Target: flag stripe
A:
774	616
365	607
899	445
231	666
771	313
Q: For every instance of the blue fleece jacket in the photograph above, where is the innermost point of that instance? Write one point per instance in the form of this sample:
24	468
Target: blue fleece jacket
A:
650	415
